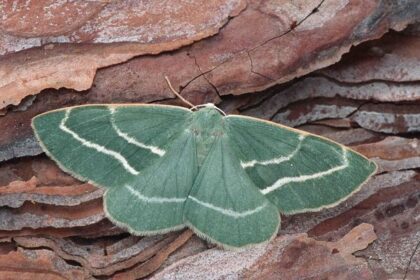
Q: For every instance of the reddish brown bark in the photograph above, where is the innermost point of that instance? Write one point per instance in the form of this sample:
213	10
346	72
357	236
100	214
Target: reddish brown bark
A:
269	59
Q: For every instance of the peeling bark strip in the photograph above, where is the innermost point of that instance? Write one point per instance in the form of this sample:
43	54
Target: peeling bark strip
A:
291	40
389	118
138	28
291	256
144	252
277	55
40	264
394	58
34	23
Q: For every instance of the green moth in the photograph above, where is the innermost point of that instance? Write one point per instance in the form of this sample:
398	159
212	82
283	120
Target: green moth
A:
225	177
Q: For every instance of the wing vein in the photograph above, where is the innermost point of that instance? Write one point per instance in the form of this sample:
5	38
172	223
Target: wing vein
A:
276	160
131	140
154	199
97	147
229	212
302	178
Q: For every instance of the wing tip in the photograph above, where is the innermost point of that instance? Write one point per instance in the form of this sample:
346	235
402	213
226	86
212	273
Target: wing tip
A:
331	205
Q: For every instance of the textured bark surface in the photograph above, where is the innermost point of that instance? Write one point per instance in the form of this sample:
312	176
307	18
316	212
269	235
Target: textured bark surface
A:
288	257
277	59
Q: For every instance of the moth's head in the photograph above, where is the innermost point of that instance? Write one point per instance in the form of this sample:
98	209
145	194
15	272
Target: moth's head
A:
209	108
207	115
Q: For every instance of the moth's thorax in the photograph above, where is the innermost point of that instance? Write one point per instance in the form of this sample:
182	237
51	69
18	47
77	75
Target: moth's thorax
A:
206	126
207	120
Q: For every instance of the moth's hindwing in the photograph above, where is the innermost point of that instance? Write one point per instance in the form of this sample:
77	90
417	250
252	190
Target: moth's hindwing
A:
225	206
153	202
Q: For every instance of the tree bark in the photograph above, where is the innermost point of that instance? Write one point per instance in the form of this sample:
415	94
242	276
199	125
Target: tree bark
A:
348	70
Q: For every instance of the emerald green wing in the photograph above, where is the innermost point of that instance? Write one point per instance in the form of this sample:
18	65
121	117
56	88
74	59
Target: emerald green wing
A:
109	145
297	171
225	206
154	201
150	158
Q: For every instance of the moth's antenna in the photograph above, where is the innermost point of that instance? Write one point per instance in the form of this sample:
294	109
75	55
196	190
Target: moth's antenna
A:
177	93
